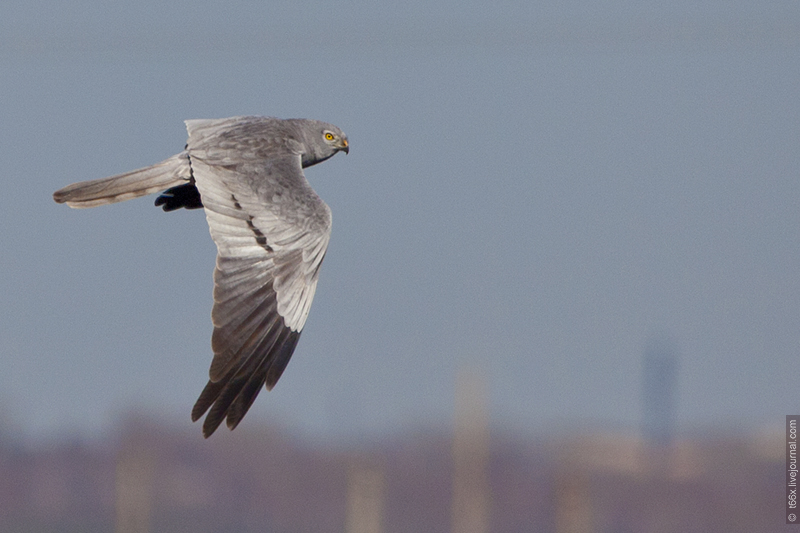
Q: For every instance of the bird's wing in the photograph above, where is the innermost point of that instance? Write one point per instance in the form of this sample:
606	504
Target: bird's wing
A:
271	232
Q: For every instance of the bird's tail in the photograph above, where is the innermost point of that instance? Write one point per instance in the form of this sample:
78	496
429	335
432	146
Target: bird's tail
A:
171	172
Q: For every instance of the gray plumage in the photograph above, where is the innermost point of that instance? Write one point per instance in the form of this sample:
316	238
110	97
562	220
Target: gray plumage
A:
271	231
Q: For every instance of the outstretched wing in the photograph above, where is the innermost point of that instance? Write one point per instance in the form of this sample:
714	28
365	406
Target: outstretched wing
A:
271	232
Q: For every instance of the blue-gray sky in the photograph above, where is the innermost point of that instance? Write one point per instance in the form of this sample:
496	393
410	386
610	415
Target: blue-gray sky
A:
535	189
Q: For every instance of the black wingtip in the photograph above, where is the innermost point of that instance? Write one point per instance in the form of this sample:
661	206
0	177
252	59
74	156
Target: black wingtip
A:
209	428
231	397
186	196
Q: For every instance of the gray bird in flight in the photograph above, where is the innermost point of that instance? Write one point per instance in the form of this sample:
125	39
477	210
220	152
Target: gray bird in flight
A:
271	231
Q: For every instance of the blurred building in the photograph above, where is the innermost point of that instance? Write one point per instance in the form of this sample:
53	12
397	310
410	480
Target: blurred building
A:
660	376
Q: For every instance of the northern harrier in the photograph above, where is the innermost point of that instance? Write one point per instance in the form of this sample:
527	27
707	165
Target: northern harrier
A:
271	231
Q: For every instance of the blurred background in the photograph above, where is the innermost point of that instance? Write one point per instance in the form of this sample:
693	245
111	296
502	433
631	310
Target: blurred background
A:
584	213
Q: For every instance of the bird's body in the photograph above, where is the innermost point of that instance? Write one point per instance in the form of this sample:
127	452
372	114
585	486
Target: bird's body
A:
271	231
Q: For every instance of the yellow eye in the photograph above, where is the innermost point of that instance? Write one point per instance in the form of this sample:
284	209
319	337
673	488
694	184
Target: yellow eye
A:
329	136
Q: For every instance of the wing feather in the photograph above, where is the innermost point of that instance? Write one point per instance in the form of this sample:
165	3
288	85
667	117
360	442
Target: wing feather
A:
271	232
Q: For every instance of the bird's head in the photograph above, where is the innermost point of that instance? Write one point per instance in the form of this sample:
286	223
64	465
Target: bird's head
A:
323	141
336	140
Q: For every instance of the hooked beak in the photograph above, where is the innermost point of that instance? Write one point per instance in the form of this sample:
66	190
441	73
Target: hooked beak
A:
345	147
